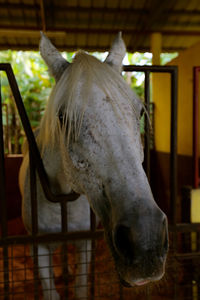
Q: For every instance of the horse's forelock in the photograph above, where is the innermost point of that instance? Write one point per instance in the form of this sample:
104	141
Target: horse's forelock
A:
89	70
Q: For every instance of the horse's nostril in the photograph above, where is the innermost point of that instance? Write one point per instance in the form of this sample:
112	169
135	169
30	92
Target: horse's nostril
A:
123	241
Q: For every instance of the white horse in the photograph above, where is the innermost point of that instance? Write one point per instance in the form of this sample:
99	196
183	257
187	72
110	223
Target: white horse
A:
90	143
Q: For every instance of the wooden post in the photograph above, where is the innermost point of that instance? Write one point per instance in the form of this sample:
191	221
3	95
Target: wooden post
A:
156	47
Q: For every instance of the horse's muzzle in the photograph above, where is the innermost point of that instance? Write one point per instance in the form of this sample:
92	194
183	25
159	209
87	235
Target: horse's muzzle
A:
141	253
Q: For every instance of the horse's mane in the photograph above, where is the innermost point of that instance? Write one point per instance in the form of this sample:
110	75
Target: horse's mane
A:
88	70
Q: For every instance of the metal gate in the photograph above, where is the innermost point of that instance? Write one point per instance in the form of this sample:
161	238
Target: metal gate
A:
182	279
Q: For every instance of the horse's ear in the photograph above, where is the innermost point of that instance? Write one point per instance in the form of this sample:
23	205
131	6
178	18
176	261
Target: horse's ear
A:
116	53
52	57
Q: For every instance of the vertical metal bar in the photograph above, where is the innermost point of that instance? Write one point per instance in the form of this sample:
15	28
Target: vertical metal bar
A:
173	161
64	224
173	144
33	190
152	126
34	217
175	291
93	248
147	293
147	125
195	158
195	126
121	292
3	206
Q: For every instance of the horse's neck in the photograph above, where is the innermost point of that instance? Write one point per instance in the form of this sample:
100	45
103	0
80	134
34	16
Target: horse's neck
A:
55	170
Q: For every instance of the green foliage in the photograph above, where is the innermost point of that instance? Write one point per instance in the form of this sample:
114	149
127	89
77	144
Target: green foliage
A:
34	84
33	80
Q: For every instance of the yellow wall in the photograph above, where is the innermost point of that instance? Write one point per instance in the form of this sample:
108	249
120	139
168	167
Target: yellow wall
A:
161	97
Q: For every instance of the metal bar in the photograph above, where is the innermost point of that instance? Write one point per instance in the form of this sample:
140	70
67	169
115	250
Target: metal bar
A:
152	129
184	227
31	140
147	125
152	69
98	234
189	255
34	217
2	176
93	248
173	70
57	237
196	179
173	144
33	191
121	292
6	141
64	219
3	207
173	164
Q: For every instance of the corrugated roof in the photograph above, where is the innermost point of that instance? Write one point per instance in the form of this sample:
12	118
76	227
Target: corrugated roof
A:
92	24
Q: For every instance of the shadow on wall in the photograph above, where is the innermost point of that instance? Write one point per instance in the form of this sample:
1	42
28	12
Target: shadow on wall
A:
160	181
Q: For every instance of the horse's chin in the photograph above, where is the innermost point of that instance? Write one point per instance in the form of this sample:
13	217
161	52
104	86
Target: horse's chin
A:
136	283
133	281
124	283
140	282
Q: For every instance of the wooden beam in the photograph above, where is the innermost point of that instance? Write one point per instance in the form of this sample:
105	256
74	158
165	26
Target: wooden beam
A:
109	10
72	48
8	31
69	8
30	33
156	16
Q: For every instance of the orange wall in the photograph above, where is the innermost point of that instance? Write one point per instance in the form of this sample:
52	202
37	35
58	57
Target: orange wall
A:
161	97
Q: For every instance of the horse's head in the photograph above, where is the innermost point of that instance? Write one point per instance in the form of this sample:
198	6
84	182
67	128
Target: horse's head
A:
93	116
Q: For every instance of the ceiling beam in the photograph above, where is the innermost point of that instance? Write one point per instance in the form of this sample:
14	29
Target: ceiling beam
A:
63	32
69	8
109	10
27	33
72	48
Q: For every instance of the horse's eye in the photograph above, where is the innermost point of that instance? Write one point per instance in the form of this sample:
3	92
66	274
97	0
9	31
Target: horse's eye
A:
61	118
